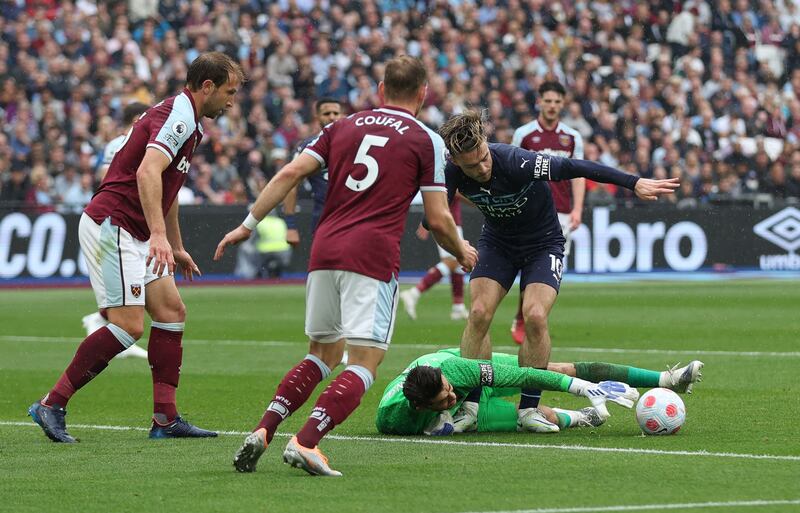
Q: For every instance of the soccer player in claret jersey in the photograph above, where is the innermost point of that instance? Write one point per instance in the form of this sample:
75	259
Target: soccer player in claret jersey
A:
521	234
422	399
96	320
130	236
548	135
327	111
377	160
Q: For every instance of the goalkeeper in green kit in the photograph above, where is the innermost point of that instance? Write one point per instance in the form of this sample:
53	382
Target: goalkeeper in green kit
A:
422	399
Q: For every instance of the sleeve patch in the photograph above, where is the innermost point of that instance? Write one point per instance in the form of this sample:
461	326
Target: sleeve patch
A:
487	374
541	168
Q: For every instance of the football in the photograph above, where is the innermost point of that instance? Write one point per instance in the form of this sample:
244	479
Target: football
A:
660	411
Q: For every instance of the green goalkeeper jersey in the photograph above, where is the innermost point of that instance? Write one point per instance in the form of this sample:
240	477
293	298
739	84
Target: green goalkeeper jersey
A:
396	416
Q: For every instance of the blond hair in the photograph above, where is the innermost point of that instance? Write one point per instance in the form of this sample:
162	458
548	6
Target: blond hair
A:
463	133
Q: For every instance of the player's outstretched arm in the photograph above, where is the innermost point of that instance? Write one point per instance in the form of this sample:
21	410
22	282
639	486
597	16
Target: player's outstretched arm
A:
548	167
148	181
276	190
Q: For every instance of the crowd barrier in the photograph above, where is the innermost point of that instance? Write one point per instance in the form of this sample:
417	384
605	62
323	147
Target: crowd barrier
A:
641	239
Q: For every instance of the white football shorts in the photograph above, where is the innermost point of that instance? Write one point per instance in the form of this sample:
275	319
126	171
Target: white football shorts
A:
344	304
116	263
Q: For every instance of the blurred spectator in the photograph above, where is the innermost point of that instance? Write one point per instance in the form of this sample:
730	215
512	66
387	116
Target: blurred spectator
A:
15	187
646	80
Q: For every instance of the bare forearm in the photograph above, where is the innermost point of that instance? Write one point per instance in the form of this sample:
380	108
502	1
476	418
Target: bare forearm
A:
173	228
578	193
150	194
290	202
275	191
446	235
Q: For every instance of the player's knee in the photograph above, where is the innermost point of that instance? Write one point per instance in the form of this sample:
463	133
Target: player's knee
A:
479	315
135	330
535	317
171	311
331	355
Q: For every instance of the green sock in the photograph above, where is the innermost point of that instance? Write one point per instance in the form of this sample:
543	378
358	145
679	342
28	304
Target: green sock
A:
601	371
564	420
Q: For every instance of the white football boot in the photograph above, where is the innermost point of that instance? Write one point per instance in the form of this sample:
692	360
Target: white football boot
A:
410	298
534	421
682	379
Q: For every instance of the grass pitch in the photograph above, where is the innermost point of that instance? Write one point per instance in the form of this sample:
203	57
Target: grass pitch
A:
739	449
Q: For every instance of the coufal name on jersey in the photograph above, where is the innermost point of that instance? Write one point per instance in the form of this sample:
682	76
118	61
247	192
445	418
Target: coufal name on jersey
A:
389	121
541	167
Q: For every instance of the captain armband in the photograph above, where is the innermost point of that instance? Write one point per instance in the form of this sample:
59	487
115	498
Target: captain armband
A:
487	374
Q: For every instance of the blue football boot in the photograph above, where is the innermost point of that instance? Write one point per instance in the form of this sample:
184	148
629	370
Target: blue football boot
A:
179	428
51	420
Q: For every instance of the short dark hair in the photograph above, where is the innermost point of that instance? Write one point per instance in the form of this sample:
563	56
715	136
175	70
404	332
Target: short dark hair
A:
422	385
403	78
214	66
322	101
132	111
552	85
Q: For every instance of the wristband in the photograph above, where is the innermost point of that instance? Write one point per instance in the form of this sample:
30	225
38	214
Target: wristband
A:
250	222
291	222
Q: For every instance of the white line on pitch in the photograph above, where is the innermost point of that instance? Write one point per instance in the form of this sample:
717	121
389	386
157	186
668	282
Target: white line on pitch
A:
438	441
435	347
650	507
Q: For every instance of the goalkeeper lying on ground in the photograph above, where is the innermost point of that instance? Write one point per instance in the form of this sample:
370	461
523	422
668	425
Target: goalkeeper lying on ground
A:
422	399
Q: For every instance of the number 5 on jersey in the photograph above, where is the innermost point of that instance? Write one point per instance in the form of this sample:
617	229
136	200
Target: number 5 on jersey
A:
362	157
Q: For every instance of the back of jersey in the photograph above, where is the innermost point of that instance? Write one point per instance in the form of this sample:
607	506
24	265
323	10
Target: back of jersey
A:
377	160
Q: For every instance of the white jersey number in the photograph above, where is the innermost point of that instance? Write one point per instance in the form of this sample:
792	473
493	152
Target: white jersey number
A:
363	158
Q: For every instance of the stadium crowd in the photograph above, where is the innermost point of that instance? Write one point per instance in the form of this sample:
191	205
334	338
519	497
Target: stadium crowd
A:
709	91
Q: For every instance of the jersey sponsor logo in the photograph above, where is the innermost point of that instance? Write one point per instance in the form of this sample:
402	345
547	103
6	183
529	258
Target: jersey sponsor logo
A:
136	290
508	205
487	374
183	165
555	153
565	140
541	167
383	121
524	161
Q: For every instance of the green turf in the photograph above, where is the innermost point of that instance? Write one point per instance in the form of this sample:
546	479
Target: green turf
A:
240	341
